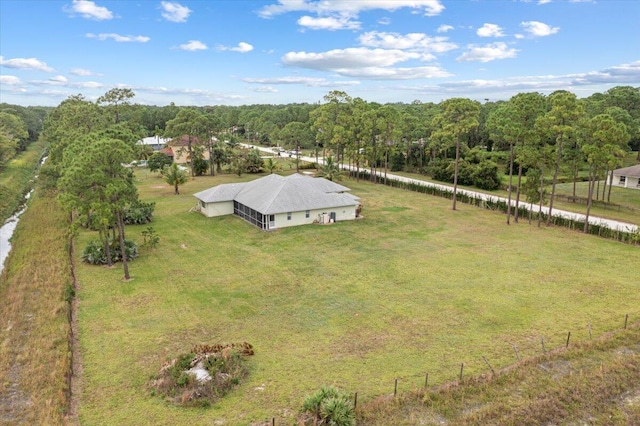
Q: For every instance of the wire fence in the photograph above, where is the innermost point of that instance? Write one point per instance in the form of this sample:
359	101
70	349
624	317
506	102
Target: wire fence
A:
457	371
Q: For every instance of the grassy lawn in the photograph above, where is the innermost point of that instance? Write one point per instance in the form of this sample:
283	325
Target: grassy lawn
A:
412	288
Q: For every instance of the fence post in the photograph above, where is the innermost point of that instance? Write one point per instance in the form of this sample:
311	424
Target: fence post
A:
568	337
515	348
355	400
542	342
461	368
626	317
395	388
426	380
490	367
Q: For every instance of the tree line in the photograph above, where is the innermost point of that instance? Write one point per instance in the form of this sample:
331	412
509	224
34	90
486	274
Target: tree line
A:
532	134
19	126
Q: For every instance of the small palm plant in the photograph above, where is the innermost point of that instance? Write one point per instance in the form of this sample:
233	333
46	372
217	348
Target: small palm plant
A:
329	406
330	169
174	176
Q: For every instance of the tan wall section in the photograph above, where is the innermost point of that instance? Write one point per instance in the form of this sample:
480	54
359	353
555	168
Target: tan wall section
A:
298	218
216	209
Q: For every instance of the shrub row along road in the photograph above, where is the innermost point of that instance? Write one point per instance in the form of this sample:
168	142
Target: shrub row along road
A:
594	220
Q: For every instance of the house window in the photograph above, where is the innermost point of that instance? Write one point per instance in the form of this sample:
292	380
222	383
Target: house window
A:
306	214
289	216
623	179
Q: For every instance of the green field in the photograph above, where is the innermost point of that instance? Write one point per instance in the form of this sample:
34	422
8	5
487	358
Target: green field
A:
412	288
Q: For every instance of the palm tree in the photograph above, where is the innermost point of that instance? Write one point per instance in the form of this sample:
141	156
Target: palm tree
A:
174	176
330	169
271	165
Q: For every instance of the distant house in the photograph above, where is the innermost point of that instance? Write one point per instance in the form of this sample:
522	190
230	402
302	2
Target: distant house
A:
629	177
274	201
155	142
180	148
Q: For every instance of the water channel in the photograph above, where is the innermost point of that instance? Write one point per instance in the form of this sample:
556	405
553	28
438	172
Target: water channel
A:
9	226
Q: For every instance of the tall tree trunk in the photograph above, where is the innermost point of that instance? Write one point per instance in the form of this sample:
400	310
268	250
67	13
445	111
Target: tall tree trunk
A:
575	178
175	189
455	174
107	246
610	185
541	193
191	157
510	182
515	217
555	180
604	184
592	183
123	252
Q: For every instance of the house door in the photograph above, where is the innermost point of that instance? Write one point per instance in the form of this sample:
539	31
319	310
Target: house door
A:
272	221
332	216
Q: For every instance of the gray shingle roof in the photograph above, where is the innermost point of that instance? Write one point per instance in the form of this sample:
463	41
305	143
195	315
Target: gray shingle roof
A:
224	192
274	194
632	171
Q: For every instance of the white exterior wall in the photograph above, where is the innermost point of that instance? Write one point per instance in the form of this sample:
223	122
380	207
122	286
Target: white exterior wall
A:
216	209
298	218
630	182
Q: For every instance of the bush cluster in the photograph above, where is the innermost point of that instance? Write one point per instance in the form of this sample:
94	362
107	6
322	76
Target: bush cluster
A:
139	213
95	253
483	175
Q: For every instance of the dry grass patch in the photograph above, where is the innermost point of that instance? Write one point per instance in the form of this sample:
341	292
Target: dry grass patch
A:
34	330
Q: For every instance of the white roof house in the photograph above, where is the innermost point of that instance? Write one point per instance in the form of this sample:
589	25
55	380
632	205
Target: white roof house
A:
275	201
629	177
155	142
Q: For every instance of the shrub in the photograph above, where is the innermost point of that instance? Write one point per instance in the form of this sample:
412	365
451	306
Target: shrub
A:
328	406
200	166
486	176
139	213
94	253
158	160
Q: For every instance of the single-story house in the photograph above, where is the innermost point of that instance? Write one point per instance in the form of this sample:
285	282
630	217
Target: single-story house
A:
155	142
274	201
180	148
629	177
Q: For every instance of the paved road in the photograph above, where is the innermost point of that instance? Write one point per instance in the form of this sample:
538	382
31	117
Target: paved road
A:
594	220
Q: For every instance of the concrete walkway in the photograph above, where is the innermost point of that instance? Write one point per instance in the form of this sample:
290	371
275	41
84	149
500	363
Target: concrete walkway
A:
593	220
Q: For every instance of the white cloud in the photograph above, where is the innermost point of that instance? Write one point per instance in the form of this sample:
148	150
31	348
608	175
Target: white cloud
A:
328	23
413	41
119	38
355	57
174	12
384	21
538	29
25	64
9	80
89	10
444	28
265	89
544	1
193	45
58	79
242	47
82	72
364	63
490	30
389	73
487	53
305	81
350	7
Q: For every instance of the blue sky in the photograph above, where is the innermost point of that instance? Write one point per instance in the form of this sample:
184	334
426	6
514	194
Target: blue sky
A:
284	51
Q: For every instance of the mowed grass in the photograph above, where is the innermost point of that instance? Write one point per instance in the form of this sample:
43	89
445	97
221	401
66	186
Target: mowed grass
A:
412	288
